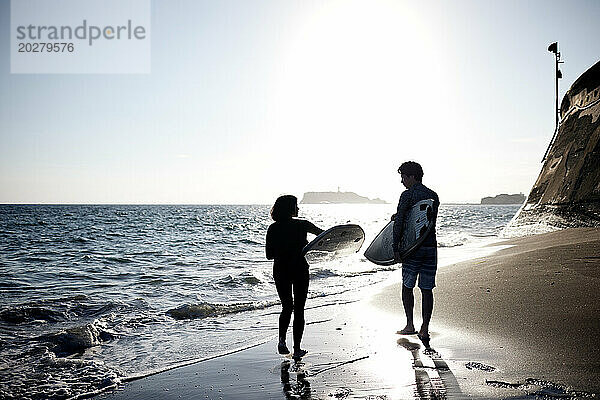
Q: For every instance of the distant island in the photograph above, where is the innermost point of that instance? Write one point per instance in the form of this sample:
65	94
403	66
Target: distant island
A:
504	199
337	198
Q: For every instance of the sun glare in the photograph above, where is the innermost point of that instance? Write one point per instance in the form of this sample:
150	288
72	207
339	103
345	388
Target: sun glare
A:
356	76
353	57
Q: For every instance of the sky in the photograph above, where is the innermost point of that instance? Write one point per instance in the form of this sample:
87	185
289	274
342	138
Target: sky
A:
247	100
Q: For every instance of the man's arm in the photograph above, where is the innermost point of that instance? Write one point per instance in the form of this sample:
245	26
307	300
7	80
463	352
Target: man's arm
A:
403	206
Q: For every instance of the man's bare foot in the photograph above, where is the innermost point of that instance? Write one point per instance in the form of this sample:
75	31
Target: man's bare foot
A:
409	329
424	337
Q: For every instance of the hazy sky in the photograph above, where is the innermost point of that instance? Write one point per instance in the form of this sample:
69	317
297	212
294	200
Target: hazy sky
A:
249	99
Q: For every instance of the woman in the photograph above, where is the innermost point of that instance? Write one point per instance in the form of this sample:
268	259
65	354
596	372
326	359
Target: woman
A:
286	238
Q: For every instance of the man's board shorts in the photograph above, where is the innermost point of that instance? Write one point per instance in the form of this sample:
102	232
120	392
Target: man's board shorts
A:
421	263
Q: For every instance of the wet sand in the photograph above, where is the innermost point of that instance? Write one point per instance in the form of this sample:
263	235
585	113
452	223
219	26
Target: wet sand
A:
353	353
531	311
519	322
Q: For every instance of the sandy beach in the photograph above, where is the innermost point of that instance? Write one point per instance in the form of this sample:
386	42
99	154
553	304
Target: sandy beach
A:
520	322
531	311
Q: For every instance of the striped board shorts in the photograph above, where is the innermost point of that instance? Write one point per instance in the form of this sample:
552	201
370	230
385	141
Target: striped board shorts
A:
421	263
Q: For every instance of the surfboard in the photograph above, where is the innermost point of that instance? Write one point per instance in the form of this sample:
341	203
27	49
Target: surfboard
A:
417	225
339	241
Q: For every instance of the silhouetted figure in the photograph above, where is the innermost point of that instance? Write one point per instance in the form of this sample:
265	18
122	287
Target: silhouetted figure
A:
422	263
286	238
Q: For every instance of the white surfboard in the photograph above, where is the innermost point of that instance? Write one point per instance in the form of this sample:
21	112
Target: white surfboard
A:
339	241
417	225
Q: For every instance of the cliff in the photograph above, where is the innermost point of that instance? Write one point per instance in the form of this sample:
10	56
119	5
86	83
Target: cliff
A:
337	197
504	199
567	191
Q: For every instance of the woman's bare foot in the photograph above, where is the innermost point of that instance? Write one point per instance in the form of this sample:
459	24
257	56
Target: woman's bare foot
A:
409	329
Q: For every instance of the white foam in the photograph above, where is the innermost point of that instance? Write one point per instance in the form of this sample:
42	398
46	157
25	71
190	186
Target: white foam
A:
470	251
512	231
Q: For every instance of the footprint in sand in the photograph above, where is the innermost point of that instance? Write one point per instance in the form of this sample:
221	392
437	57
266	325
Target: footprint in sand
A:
480	366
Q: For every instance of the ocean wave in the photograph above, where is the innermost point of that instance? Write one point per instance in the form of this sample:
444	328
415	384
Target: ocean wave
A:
115	234
251	280
120	260
29	222
177	264
41	374
79	338
7	285
55	310
146	253
449	245
369	271
205	310
92	310
81	239
22	314
37	259
534	220
453	239
243	279
487	235
322	273
514	230
252	242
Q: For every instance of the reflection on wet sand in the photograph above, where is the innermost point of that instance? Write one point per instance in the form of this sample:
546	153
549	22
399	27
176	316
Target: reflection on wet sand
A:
300	389
432	382
433	377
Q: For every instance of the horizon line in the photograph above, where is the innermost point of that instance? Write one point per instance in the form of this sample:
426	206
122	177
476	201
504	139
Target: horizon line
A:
222	204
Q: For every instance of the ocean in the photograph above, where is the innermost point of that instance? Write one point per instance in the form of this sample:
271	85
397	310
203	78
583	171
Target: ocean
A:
94	295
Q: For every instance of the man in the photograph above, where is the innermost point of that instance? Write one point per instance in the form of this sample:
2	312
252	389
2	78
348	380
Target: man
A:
422	263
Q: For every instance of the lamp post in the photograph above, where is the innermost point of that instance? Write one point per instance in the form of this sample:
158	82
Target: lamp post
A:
553	48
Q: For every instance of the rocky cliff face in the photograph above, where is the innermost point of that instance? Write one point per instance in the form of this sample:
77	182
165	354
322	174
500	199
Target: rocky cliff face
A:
567	191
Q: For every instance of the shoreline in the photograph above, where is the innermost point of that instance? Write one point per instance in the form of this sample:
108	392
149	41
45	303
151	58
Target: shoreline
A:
487	343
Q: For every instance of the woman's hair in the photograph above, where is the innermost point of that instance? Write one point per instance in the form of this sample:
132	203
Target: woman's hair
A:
412	168
284	207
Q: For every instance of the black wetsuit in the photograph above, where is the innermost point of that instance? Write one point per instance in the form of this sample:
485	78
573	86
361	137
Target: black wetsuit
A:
285	241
